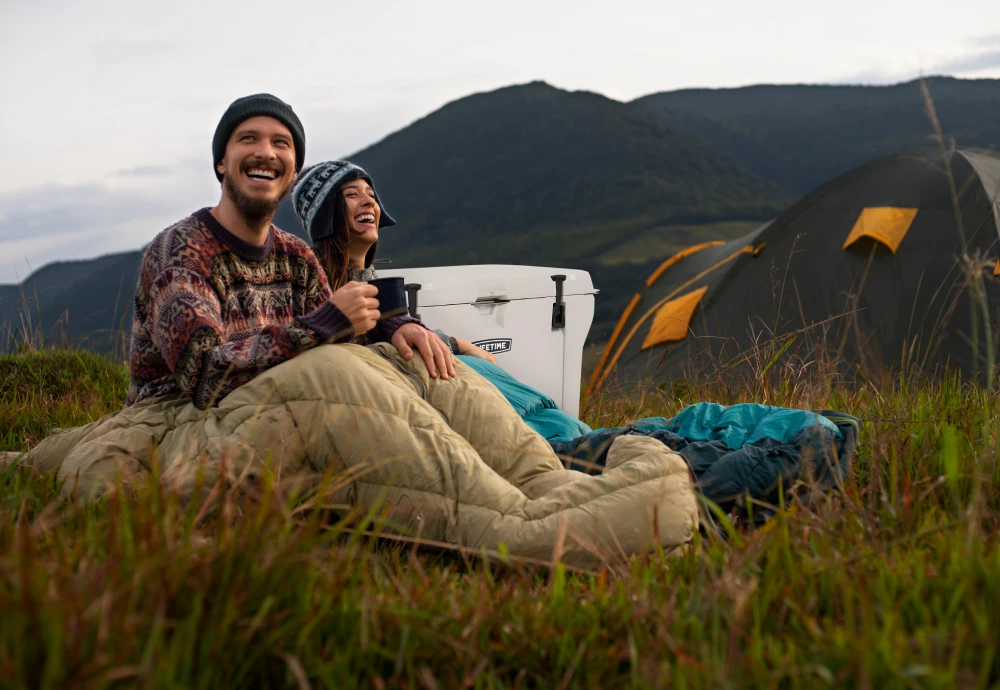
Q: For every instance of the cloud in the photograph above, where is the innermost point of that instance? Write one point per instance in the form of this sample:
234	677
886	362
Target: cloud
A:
989	41
970	63
58	209
115	52
39	225
144	171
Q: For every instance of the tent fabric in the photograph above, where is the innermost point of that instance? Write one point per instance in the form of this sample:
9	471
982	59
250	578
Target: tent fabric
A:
885	224
614	339
672	319
728	251
871	310
989	176
683	254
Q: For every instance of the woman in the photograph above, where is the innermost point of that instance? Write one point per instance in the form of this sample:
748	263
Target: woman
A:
339	208
447	459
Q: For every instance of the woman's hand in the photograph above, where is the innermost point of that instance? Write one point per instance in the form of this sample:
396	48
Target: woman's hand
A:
467	348
437	356
357	302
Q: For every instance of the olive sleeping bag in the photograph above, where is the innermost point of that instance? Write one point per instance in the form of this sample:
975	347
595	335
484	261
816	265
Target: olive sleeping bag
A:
450	461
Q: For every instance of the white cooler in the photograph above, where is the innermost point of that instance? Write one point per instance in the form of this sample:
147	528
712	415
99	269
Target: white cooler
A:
513	312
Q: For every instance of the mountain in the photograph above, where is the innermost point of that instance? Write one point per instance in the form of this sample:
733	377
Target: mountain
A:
532	174
802	136
525	174
87	301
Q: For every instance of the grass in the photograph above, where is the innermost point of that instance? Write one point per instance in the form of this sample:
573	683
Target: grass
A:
892	582
45	389
667	240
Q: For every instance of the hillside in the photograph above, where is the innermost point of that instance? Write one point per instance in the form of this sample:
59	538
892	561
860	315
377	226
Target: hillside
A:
87	301
534	174
890	581
525	174
800	136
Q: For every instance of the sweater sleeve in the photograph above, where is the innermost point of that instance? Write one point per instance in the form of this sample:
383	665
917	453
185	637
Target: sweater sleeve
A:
384	329
188	329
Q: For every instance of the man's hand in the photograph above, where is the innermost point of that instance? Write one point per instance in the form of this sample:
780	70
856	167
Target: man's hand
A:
357	302
436	354
467	348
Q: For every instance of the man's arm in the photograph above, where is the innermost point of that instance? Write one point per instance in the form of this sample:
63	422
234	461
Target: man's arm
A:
384	329
188	329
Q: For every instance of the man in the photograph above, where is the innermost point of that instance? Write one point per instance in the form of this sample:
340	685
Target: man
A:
223	295
230	309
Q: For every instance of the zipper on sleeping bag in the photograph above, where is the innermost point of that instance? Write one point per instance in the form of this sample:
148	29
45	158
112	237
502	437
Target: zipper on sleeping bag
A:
418	385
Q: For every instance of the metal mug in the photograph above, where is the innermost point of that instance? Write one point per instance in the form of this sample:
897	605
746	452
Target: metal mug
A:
391	296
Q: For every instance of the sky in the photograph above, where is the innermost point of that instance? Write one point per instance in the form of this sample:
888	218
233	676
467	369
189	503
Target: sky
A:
108	108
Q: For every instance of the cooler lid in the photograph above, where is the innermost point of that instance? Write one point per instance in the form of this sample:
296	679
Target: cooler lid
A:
445	285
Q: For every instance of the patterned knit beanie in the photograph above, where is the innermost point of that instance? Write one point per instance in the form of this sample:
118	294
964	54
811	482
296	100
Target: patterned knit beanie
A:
315	190
251	106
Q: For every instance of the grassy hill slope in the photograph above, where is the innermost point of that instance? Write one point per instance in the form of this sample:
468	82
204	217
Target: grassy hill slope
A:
801	136
87	301
893	581
533	174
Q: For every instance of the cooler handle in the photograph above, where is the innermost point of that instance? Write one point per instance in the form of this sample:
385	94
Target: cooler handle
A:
411	298
559	307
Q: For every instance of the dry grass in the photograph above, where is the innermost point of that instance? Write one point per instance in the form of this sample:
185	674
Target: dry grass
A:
893	582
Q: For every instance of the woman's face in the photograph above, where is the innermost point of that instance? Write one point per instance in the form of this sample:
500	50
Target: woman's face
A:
362	211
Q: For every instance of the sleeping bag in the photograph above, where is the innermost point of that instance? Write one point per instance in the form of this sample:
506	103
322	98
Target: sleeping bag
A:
734	452
450	461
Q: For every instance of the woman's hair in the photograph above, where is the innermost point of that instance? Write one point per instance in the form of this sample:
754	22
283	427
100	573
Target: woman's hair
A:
332	250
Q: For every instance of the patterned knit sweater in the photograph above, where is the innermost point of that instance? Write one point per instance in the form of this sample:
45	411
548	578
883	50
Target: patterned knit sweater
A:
213	311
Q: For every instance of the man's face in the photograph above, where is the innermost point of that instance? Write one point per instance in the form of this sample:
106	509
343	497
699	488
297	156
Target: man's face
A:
259	166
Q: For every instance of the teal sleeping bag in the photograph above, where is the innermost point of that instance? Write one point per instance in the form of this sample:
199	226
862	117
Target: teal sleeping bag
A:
737	425
537	409
740	452
734	452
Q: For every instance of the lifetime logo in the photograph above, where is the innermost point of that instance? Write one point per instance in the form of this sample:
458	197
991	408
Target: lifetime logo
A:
494	345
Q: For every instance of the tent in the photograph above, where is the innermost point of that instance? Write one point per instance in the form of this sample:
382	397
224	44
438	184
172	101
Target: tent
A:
866	269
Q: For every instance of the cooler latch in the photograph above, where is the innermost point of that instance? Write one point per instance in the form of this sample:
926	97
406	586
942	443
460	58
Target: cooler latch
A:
411	298
559	307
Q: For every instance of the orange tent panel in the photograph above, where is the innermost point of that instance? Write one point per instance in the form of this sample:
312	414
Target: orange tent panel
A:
611	342
673	318
885	224
683	254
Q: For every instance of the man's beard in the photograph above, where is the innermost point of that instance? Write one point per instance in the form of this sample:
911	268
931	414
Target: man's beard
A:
254	211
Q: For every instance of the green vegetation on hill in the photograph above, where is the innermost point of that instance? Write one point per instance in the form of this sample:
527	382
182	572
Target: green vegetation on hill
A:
534	174
892	582
531	174
45	389
801	136
663	242
88	302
